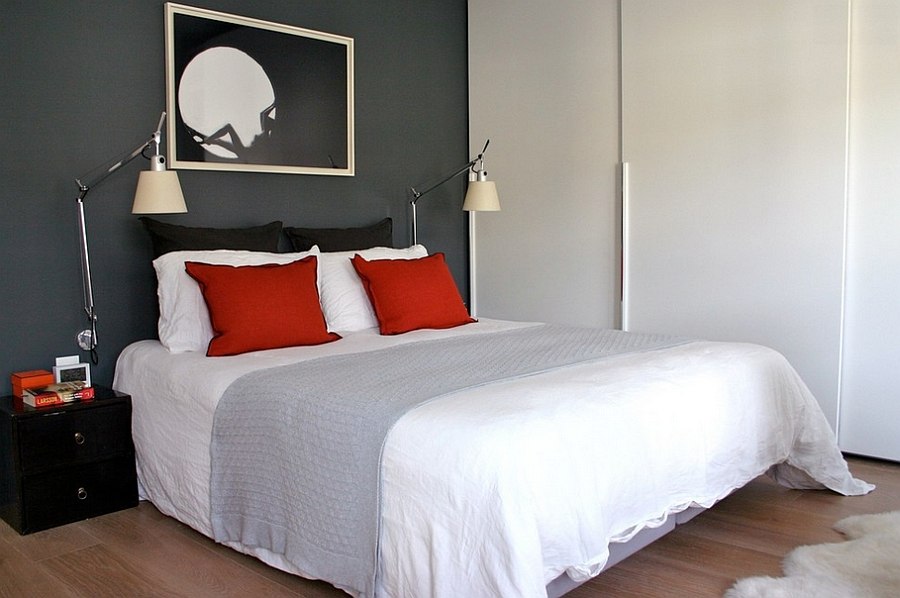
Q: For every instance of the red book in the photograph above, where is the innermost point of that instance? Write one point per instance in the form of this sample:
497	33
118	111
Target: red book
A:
57	394
42	400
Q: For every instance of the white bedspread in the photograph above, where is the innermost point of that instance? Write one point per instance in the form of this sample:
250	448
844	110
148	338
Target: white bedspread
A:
497	490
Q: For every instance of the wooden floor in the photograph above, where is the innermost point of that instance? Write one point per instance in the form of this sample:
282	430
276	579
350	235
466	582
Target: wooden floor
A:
140	552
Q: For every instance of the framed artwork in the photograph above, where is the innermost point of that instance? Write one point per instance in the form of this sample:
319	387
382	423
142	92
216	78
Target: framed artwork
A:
249	95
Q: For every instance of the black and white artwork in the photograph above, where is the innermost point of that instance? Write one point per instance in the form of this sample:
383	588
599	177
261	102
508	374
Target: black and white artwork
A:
251	95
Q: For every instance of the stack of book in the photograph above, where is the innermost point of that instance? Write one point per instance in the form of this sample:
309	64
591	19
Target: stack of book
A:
59	393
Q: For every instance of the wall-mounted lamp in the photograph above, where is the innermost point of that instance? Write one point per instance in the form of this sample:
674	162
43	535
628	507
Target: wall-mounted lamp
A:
481	194
158	192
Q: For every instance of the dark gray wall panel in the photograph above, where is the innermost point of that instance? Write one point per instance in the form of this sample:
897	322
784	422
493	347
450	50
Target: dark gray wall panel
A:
85	81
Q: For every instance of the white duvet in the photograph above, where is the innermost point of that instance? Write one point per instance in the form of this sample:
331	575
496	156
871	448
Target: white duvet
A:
496	491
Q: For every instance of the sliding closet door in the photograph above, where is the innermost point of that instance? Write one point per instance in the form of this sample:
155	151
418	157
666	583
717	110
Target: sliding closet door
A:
870	398
733	129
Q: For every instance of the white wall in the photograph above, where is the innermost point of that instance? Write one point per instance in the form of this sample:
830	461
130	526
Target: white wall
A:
734	130
795	246
870	396
543	87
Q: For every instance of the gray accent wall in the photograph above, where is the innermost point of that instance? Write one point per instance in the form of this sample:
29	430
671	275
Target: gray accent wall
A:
84	81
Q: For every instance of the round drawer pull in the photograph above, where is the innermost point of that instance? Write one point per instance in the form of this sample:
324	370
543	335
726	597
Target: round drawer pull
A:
82	494
79	438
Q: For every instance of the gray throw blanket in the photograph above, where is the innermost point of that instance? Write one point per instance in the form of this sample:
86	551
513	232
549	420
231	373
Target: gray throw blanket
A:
296	449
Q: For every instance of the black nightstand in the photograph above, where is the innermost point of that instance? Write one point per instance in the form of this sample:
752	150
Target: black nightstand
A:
65	463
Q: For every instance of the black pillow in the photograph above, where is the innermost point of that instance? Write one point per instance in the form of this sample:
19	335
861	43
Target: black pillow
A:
172	237
342	239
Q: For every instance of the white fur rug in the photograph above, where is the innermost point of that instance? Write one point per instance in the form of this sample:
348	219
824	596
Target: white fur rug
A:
867	565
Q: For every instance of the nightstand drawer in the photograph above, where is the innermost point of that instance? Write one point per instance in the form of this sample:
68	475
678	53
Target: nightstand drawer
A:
79	492
65	463
70	437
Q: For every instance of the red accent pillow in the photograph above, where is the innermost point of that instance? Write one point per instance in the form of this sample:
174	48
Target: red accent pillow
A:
412	294
261	307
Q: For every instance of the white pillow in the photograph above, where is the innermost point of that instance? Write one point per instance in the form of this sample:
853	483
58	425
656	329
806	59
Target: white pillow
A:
183	316
344	301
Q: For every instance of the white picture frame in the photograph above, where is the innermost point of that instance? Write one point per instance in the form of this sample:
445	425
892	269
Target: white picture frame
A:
244	94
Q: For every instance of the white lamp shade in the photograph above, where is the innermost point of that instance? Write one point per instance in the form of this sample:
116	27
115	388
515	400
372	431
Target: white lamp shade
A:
158	192
481	196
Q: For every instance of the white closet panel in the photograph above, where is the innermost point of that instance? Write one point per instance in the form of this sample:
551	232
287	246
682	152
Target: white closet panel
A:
734	129
542	87
870	398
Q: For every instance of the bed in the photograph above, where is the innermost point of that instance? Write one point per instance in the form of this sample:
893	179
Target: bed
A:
522	482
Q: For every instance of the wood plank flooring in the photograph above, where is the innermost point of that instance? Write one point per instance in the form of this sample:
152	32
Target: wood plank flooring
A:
140	552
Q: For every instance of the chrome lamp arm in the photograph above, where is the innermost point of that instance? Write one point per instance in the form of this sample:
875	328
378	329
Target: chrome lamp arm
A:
416	194
153	143
87	339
